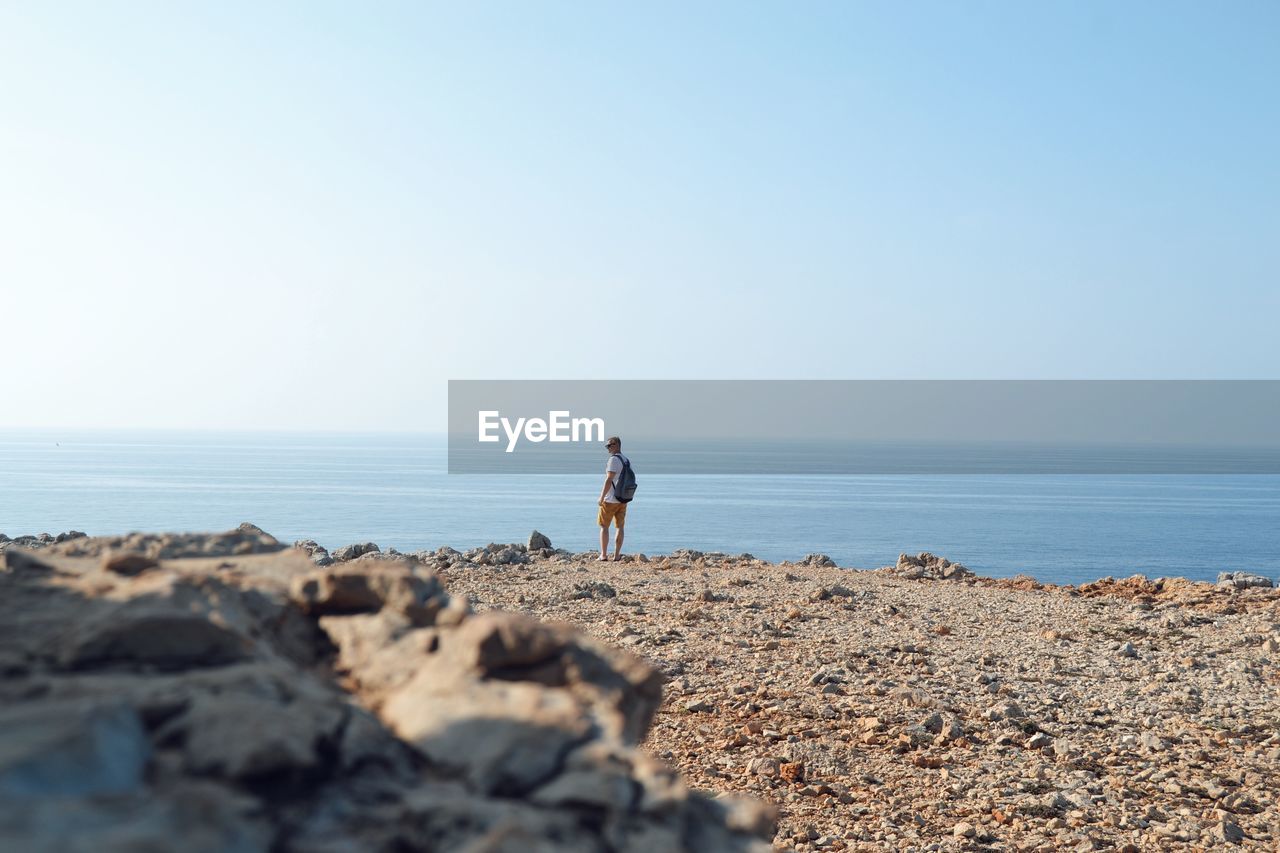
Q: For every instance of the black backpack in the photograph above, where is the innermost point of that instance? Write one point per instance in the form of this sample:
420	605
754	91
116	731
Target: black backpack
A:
624	486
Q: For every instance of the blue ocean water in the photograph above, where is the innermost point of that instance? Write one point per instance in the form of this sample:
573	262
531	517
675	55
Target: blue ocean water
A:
393	489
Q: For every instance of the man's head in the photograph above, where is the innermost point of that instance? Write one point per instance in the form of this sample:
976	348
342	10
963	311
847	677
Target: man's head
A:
613	444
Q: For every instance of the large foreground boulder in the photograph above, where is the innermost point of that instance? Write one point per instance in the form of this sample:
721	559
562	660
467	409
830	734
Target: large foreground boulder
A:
221	693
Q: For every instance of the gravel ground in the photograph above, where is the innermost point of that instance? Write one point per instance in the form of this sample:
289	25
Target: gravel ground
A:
896	709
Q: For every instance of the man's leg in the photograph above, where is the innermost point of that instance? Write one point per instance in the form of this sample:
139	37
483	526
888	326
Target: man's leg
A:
602	519
619	521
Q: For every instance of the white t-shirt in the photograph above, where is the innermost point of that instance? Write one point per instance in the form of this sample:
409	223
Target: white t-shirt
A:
615	465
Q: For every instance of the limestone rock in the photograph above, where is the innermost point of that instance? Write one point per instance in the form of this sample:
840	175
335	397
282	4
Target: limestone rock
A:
71	748
926	566
22	560
245	540
355	588
351	552
259	702
128	564
495	554
168	624
1243	580
317	553
1228	832
241	736
206	816
594	589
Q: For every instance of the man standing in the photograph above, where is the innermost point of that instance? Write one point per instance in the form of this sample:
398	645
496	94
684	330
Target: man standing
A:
610	507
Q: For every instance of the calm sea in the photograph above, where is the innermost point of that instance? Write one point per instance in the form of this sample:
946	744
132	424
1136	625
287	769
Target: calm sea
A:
394	490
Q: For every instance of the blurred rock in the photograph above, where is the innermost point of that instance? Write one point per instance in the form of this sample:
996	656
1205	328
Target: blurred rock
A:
313	549
258	702
128	564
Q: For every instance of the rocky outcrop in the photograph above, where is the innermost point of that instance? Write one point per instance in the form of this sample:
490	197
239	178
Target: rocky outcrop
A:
1243	580
1224	597
220	693
355	550
313	549
926	566
245	539
495	554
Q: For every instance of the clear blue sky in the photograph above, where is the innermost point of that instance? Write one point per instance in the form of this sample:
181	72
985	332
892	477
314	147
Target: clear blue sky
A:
314	214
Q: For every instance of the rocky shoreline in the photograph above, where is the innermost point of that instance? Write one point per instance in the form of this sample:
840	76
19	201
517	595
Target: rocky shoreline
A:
520	697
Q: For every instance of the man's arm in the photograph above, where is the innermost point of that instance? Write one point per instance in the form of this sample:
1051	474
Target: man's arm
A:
608	478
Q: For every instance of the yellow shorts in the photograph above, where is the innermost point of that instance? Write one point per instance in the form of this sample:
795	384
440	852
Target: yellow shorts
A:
617	512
